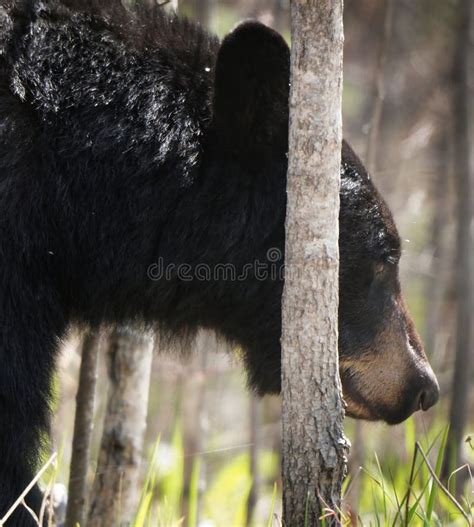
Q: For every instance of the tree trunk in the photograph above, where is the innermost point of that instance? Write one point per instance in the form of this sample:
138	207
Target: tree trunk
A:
438	280
379	89
464	143
279	15
254	414
203	11
314	446
116	486
194	418
83	425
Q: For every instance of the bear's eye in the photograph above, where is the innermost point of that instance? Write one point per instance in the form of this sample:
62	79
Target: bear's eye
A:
384	268
380	268
377	272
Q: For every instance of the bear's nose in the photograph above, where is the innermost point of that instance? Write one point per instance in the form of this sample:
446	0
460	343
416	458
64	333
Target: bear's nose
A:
428	395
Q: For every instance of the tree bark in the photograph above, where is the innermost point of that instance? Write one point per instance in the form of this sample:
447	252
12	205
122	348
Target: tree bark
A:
83	425
464	144
314	446
116	488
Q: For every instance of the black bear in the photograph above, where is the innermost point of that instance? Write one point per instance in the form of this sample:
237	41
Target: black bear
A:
135	150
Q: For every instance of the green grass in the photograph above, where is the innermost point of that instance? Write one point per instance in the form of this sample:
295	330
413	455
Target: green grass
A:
410	492
394	492
397	490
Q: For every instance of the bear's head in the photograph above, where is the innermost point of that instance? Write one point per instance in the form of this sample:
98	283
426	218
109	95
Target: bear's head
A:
384	371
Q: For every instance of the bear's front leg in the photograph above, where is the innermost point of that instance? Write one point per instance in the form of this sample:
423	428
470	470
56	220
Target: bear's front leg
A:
30	323
263	365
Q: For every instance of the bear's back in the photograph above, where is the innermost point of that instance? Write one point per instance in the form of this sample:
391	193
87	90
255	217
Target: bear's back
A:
94	90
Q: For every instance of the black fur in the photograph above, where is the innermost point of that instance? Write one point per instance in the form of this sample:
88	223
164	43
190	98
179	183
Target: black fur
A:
123	144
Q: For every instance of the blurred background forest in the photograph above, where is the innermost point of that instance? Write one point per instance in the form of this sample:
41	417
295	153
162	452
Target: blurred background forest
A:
212	450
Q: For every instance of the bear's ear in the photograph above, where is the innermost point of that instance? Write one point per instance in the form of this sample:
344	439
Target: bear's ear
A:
251	91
